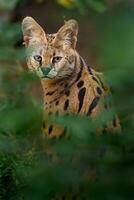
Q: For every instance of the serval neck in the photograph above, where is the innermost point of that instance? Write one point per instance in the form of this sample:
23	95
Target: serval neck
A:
57	88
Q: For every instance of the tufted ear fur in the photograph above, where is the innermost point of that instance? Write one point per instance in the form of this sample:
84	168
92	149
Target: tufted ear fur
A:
67	34
32	32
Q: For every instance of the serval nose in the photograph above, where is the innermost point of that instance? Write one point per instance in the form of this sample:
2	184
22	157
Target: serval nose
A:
46	69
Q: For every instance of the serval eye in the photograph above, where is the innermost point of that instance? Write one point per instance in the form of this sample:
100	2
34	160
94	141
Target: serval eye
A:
56	59
38	58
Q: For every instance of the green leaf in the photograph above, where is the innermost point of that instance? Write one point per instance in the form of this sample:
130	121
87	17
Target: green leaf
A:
8	4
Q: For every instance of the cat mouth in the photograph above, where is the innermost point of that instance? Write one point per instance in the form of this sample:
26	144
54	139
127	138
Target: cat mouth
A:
45	77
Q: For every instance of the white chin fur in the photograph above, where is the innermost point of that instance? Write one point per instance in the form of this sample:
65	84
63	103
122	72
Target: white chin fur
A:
52	73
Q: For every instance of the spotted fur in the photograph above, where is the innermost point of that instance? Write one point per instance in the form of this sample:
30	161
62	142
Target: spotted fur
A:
69	85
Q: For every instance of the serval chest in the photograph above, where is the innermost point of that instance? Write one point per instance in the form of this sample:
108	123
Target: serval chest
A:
83	94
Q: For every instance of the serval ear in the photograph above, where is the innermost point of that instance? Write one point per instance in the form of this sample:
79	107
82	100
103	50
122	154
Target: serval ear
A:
67	35
32	32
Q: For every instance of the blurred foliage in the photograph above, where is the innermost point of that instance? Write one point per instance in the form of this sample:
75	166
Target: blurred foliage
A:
10	34
81	5
84	5
8	5
34	168
67	3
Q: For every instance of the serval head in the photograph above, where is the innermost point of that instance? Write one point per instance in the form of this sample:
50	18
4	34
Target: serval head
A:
51	56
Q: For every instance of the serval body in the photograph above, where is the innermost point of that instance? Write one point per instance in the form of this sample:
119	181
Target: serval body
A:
69	85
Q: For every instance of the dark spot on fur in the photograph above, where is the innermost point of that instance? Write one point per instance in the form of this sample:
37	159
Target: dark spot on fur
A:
56	103
50	129
102	85
81	95
67	92
99	82
66	104
95	79
93	105
66	85
50	93
99	91
80	84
